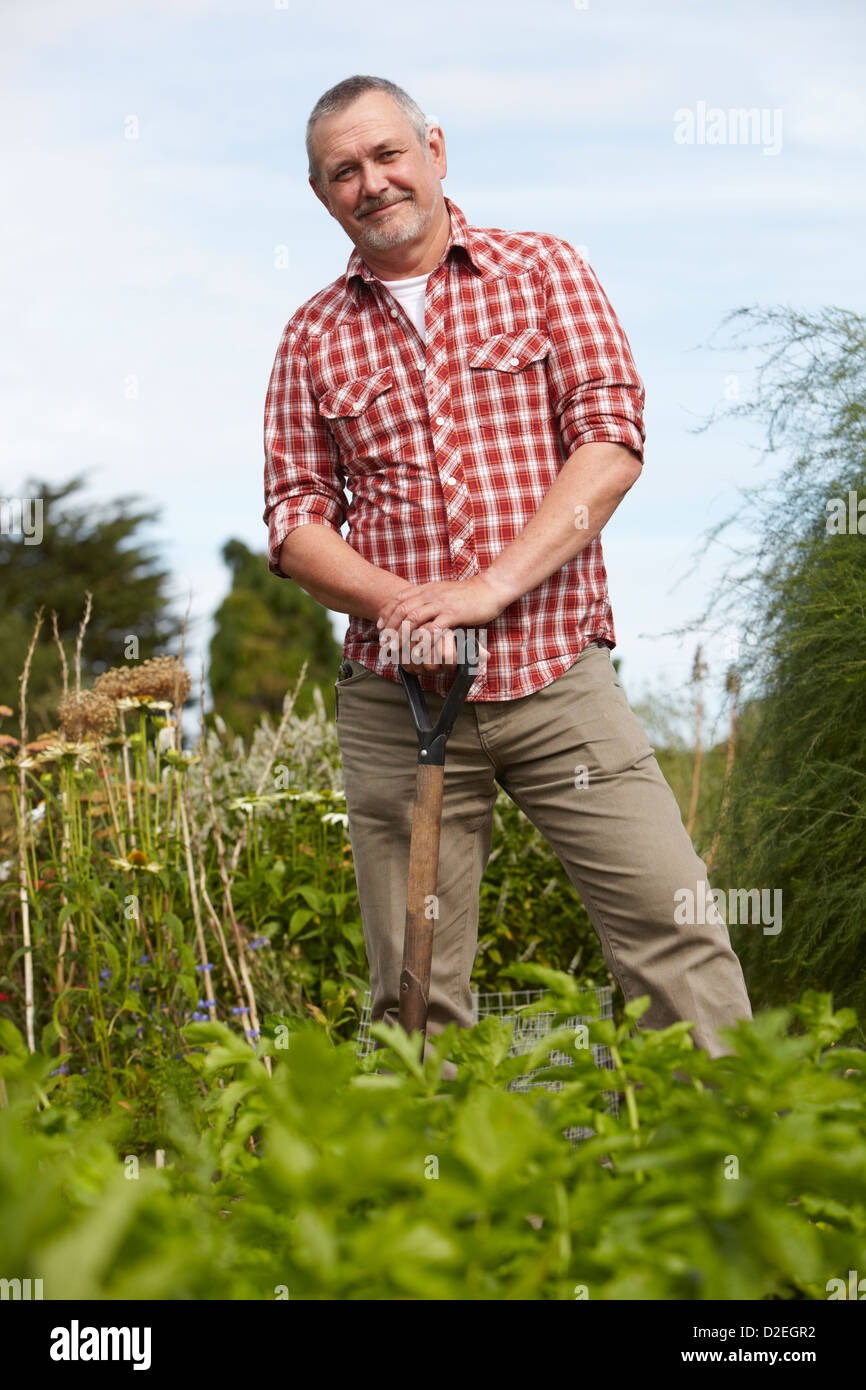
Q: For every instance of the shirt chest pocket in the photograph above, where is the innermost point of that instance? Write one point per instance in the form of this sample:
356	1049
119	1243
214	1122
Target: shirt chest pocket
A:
509	353
360	415
352	397
507	378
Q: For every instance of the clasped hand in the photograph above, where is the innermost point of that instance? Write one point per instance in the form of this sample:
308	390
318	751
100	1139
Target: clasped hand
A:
428	614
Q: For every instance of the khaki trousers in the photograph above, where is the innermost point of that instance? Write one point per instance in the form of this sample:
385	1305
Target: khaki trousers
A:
577	762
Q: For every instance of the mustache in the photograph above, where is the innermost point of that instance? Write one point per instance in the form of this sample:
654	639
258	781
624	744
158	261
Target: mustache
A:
393	203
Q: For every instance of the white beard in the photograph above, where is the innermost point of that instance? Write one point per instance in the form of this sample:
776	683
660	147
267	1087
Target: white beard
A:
405	226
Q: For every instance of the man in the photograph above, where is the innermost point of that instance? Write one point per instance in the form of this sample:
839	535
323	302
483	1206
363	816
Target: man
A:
475	392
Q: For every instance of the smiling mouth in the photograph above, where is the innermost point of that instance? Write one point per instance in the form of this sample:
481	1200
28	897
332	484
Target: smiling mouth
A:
386	208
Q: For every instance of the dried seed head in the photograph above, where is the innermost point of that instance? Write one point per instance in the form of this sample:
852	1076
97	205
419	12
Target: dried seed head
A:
89	712
161	677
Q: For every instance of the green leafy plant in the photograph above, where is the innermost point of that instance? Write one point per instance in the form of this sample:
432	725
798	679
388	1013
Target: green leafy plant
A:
737	1177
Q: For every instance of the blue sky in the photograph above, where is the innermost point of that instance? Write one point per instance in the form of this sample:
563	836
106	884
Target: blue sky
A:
141	280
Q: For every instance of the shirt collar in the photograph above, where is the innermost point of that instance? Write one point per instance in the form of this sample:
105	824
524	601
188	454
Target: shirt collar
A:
460	234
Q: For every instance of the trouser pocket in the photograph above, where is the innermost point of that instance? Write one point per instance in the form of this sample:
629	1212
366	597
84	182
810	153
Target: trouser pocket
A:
351	672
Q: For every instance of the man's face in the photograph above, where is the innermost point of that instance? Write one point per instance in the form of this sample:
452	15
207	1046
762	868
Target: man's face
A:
376	179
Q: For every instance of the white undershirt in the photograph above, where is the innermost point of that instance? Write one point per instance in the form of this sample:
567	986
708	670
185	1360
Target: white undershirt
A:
411	294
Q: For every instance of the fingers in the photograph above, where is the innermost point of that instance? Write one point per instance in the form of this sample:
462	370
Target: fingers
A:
414	614
444	653
416	603
397	607
415	622
429	650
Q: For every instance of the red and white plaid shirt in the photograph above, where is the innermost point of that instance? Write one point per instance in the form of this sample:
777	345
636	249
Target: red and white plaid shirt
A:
449	448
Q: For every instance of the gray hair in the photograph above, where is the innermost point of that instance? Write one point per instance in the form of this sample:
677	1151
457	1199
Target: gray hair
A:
337	98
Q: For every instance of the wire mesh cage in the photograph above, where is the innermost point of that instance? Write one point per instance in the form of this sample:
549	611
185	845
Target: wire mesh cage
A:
529	1028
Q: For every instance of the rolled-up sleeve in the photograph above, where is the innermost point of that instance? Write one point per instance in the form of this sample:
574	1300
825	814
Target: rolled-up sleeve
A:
596	393
303	482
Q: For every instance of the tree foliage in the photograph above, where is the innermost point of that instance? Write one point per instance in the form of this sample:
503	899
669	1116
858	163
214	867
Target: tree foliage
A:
82	547
266	629
797	813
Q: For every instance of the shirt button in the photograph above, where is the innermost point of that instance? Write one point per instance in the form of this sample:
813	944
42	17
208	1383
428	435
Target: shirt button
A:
457	545
451	482
514	361
393	313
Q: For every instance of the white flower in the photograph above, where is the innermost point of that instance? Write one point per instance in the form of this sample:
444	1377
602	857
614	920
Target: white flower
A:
38	812
142	702
249	803
165	738
335	818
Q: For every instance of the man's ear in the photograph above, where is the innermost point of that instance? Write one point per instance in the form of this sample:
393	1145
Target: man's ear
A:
437	156
318	192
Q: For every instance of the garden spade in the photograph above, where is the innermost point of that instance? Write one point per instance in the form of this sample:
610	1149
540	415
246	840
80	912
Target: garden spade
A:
424	842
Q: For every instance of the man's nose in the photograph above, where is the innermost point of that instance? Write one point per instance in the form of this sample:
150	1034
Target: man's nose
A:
374	184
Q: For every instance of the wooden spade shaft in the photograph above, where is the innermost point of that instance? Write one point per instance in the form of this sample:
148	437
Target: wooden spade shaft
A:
422	904
421	901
